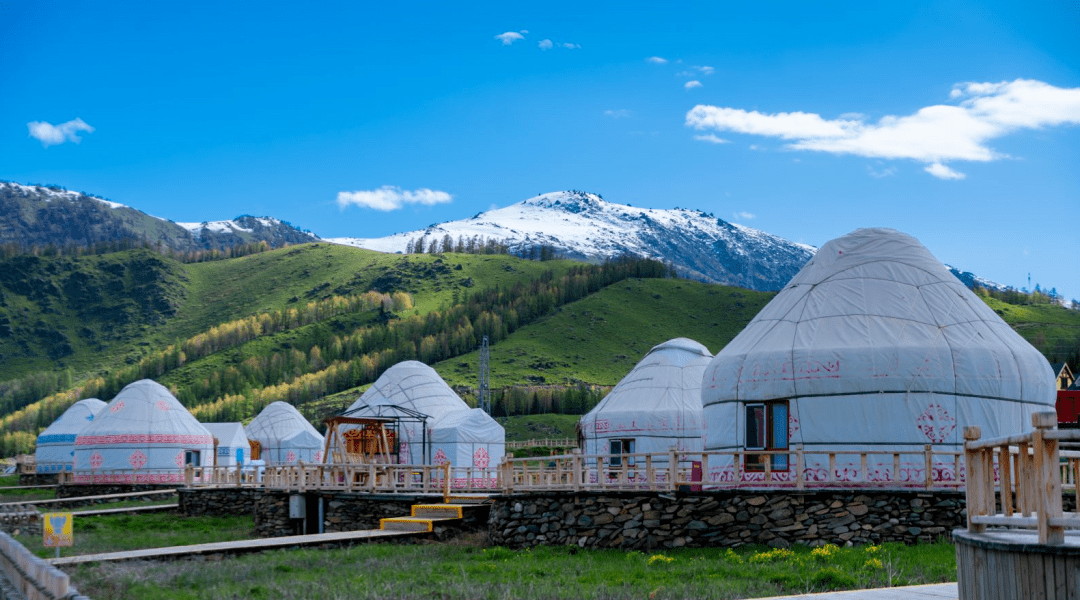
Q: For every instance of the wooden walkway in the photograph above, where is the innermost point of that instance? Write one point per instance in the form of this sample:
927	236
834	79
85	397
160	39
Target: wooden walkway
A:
237	547
936	591
81	498
130	509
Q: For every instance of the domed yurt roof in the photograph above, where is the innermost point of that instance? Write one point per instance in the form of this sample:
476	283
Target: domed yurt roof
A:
280	423
412	385
469	425
143	408
660	397
875	311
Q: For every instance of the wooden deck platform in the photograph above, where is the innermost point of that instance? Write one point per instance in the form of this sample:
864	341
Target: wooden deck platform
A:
237	547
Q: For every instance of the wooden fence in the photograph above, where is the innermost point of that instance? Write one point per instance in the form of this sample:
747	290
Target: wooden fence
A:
1031	475
547	443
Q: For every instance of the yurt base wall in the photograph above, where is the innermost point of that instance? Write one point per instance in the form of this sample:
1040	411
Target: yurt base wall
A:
777	519
217	502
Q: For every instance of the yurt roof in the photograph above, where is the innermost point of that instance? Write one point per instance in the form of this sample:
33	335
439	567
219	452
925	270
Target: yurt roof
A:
144	407
415	386
74	419
471	425
227	434
669	376
875	311
280	423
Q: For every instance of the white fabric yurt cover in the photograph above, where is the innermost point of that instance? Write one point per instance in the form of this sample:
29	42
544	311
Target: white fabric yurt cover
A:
143	436
285	435
417	387
232	444
872	346
55	448
468	438
656	406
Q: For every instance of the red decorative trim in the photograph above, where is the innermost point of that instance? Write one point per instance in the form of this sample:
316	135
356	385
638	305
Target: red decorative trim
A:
142	438
130	478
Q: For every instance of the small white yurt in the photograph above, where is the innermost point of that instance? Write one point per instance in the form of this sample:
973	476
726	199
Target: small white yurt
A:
285	436
417	387
656	406
468	438
872	346
231	444
144	435
55	449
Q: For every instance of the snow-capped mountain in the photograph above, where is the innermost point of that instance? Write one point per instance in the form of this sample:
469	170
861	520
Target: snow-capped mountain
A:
49	215
585	226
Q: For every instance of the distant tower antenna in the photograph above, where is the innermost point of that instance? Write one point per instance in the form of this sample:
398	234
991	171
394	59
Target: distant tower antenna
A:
484	394
1029	282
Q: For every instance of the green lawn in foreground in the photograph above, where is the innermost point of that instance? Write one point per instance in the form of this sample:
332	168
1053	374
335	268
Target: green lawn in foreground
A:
465	570
117	533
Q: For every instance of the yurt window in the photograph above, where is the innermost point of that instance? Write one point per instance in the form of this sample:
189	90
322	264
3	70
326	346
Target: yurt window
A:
767	429
191	457
621	447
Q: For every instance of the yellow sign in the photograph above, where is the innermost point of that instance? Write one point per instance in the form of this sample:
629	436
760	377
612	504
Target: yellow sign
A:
58	529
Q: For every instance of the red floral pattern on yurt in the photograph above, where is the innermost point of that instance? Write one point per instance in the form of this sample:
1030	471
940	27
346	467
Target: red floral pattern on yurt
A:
137	459
480	458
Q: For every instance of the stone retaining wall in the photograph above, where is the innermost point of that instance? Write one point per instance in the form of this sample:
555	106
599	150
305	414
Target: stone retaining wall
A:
341	511
38	478
777	519
218	502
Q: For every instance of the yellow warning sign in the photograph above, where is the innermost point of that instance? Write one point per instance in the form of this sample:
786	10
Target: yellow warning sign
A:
58	529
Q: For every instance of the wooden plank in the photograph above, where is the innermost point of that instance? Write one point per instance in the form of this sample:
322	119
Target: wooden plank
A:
81	498
133	509
1005	463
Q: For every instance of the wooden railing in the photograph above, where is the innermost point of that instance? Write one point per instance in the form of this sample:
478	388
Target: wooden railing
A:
221	476
375	478
1030	475
547	443
746	469
35	578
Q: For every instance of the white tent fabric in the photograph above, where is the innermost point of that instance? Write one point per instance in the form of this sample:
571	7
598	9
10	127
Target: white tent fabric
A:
468	438
657	404
874	345
144	435
232	444
55	448
285	435
415	386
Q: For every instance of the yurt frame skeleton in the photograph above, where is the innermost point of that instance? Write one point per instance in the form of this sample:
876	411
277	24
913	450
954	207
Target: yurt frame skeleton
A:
382	417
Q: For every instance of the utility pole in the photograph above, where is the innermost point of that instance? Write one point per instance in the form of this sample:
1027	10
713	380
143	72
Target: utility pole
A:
484	399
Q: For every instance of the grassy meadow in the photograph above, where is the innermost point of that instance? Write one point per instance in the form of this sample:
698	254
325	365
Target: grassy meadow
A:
468	569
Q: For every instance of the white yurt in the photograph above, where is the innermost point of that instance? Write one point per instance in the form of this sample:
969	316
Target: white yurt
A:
55	448
468	438
416	387
872	346
285	436
230	443
656	406
144	435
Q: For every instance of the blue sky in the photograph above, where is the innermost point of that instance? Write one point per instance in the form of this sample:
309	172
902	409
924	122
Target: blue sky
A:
956	122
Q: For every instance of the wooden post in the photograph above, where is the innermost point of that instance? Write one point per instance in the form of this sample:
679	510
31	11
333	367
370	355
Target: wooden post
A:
928	465
302	482
832	468
1048	486
1005	465
863	468
673	469
896	467
189	475
1023	480
975	479
800	466
576	465
446	479
650	475
704	470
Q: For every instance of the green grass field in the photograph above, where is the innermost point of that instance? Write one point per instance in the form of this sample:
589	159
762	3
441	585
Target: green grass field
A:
466	569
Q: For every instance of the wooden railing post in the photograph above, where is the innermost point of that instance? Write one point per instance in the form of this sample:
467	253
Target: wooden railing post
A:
1048	483
800	467
302	479
673	469
576	466
928	464
189	475
975	479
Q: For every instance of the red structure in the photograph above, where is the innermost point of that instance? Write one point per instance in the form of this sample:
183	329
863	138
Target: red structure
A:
1068	409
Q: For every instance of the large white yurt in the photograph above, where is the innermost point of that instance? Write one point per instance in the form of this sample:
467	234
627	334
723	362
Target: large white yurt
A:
417	387
55	449
230	443
144	435
468	438
872	346
656	406
285	436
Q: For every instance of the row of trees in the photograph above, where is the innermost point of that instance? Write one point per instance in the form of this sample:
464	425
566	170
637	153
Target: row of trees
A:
478	244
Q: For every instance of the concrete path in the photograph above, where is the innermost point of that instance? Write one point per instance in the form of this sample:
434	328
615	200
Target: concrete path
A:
935	591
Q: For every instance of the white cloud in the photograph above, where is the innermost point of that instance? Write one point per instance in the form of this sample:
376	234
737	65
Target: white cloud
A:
743	215
692	84
942	172
509	37
933	134
389	198
617	114
886	172
656	60
525	32
695	70
51	135
711	138
570	46
545	44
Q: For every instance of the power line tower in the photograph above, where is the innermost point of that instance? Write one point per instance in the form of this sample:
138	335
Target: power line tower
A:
484	400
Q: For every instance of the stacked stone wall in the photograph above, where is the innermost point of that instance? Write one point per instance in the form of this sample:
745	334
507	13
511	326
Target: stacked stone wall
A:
217	502
646	521
38	478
